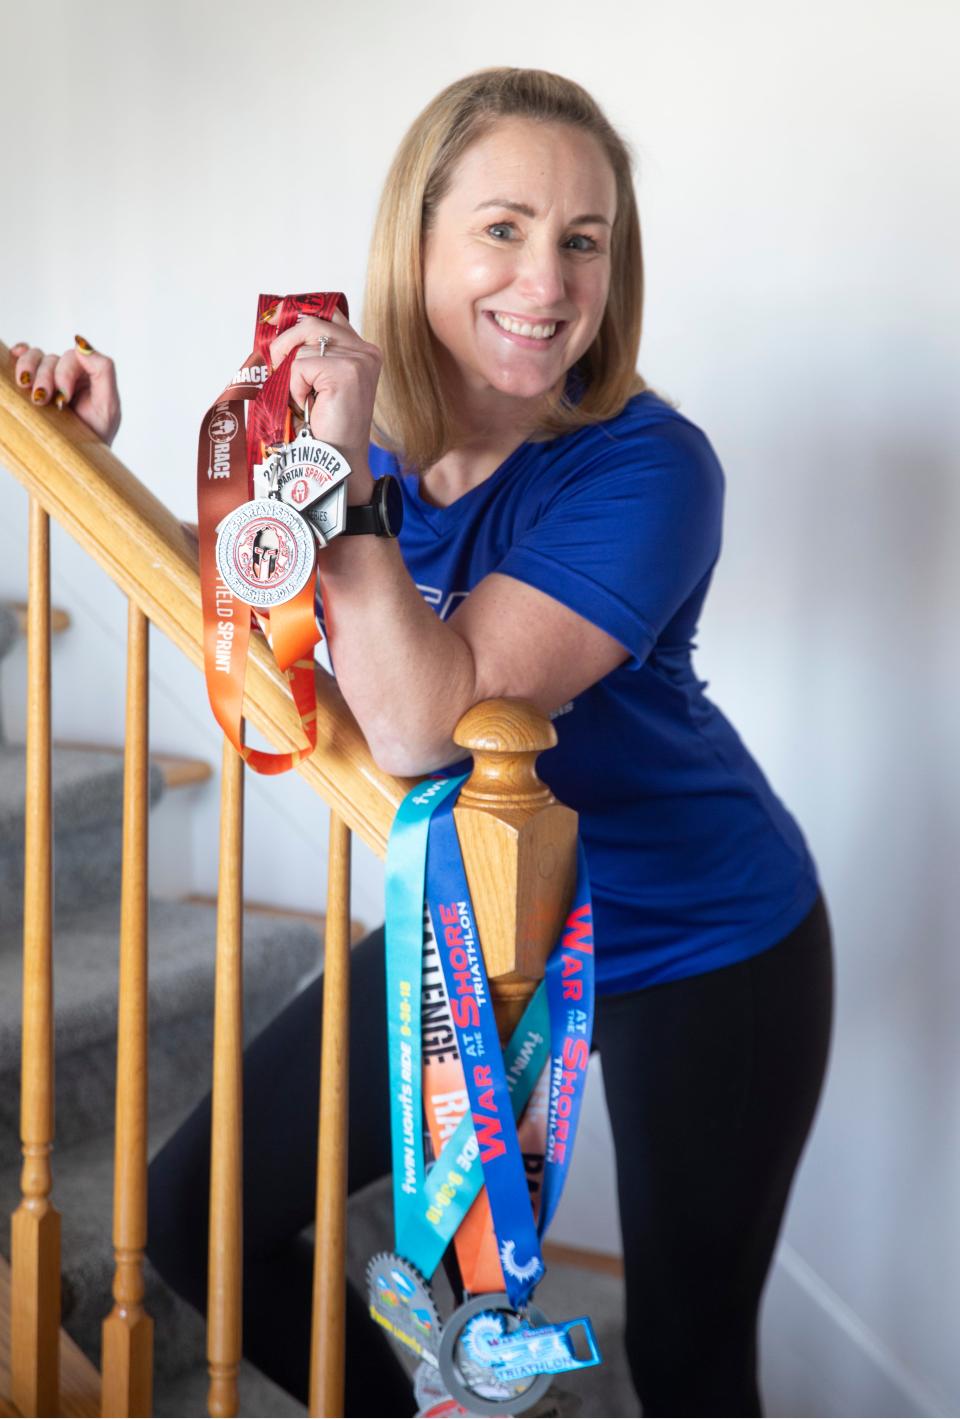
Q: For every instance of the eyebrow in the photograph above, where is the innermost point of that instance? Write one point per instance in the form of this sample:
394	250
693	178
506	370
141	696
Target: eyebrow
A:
526	211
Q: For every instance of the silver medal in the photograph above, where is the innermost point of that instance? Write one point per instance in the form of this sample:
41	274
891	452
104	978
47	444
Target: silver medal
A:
265	552
328	516
400	1301
471	1383
308	468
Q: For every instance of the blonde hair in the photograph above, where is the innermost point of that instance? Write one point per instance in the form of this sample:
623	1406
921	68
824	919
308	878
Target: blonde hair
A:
412	416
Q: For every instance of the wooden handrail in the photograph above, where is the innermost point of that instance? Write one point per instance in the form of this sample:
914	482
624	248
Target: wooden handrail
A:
143	548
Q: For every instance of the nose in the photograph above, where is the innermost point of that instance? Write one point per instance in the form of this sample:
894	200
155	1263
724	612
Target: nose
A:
540	279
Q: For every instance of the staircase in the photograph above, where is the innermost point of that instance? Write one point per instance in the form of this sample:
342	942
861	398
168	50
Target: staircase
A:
278	953
515	836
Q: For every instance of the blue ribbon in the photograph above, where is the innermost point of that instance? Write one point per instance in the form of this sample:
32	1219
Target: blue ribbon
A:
423	858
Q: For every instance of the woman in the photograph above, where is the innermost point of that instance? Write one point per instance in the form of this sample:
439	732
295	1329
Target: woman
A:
561	526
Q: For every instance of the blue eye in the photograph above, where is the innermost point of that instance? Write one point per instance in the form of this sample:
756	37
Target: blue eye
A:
580	236
500	227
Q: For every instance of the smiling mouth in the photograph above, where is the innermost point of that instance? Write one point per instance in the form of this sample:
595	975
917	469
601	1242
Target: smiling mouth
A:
530	330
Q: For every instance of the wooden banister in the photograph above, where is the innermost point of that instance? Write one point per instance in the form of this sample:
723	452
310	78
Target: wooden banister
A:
519	849
143	548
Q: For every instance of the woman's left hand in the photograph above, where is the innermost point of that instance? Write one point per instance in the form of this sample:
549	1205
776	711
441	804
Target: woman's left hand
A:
343	381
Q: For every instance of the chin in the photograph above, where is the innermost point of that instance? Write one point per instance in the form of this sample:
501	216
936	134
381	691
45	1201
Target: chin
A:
524	385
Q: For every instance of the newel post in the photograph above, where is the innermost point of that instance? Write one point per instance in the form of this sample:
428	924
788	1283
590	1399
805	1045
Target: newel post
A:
519	848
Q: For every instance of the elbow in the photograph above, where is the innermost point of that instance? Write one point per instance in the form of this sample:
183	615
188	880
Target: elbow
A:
407	758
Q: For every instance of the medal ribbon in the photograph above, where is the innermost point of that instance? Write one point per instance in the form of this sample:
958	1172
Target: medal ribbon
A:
430	1206
225	458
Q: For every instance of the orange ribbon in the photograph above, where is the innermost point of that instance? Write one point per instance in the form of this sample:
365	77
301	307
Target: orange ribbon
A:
227	451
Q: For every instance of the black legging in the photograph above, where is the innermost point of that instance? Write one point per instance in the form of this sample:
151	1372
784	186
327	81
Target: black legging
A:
712	1083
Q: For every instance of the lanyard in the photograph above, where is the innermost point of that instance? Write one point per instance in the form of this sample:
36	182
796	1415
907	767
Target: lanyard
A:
225	457
445	1056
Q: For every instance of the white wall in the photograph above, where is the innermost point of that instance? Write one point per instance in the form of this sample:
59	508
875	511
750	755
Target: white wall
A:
799	193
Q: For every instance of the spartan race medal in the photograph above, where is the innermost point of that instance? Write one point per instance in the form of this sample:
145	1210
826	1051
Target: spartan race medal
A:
466	1367
265	553
401	1302
328	515
308	468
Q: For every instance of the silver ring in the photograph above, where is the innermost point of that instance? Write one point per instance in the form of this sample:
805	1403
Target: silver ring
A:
323	341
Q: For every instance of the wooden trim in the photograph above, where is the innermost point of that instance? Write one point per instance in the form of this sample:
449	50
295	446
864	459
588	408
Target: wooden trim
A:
140	544
178	771
603	1262
318	920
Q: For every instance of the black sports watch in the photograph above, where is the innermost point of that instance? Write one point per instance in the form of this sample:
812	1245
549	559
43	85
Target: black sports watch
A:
382	515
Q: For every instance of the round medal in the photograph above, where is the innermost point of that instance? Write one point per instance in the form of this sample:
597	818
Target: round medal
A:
401	1302
265	552
464	1348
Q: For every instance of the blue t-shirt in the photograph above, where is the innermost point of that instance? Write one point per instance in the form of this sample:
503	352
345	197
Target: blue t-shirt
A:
694	861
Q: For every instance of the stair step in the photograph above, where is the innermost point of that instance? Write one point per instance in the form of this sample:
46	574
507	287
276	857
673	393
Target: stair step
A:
83	1194
278	954
177	771
79	1380
59	619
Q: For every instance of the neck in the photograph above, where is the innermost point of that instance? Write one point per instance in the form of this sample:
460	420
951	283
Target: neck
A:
490	425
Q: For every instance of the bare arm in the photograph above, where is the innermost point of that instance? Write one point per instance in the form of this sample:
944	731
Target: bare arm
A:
408	676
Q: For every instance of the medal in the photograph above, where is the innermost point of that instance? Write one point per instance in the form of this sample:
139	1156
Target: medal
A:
264	553
401	1302
465	1367
307	468
497	1354
328	515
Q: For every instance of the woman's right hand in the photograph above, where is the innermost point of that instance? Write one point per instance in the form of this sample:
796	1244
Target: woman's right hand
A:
81	377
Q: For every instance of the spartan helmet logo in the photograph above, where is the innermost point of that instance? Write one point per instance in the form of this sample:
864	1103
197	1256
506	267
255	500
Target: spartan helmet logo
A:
266	546
224	426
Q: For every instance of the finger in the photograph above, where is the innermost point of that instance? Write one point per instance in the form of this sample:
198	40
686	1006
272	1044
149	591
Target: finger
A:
18	349
27	366
68	378
307	332
312	373
99	368
43	386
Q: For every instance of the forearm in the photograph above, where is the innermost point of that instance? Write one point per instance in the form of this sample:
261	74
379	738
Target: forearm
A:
406	675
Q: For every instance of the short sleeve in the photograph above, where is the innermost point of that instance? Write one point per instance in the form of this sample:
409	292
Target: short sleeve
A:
629	530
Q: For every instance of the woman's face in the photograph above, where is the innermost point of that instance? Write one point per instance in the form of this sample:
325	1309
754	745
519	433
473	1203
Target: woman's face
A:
517	260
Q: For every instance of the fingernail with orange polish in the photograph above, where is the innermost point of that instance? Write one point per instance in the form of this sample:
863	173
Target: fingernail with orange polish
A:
25	377
83	346
60	399
39	394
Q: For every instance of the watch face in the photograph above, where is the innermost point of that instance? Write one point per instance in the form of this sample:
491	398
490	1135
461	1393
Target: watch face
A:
390	506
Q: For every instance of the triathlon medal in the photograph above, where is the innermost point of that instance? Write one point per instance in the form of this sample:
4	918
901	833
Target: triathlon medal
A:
497	1353
470	1336
401	1302
265	553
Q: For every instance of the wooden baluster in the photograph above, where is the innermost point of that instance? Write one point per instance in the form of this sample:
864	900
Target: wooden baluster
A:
329	1283
35	1239
128	1331
519	849
224	1308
